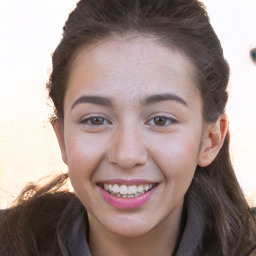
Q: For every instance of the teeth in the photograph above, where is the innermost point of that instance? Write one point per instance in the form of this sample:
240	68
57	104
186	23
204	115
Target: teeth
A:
146	187
127	191
123	189
116	189
140	188
132	190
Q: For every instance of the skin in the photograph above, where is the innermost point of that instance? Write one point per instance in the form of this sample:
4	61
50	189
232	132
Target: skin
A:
129	143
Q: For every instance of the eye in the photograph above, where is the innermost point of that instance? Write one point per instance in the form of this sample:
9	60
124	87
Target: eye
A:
162	121
95	121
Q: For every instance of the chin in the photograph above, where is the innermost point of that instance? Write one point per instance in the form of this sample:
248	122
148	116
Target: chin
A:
131	231
126	226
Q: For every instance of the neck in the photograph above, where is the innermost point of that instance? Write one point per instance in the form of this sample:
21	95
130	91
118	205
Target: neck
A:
161	240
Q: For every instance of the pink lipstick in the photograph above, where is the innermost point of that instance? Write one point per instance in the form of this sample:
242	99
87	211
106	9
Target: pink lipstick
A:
126	202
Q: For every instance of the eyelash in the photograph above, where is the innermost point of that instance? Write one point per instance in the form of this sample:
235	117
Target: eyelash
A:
88	120
169	120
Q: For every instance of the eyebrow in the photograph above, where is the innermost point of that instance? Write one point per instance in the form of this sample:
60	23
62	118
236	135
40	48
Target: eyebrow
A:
149	100
97	100
163	97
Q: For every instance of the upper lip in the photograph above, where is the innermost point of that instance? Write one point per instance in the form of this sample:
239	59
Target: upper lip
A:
132	181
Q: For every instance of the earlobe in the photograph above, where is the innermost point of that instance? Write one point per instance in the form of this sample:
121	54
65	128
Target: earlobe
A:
58	127
212	140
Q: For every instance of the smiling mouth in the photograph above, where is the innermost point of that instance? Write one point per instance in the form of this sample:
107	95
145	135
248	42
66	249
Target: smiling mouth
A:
121	190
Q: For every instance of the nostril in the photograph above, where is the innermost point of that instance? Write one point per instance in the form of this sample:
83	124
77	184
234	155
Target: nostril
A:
127	150
128	159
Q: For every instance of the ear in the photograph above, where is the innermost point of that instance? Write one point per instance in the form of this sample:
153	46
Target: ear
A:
58	128
212	140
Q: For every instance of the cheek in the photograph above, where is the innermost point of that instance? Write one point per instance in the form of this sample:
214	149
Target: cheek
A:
84	153
177	157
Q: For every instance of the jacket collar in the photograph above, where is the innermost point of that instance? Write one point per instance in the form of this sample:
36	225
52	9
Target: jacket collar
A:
191	239
73	228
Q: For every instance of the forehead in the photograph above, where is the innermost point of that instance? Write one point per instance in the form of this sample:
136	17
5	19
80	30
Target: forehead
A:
132	64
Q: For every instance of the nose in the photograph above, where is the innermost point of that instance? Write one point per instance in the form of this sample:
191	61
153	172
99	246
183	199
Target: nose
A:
127	149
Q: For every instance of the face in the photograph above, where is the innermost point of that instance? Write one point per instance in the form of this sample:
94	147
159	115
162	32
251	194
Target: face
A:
132	133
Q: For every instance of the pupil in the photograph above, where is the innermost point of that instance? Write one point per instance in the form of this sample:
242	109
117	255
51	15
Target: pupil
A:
160	120
97	120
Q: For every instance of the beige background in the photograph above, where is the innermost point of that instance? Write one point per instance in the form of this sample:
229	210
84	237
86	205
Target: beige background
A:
29	32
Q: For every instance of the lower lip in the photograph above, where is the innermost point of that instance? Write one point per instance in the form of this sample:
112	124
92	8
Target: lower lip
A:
126	202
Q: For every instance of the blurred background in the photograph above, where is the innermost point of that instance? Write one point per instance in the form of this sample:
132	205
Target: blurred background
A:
29	32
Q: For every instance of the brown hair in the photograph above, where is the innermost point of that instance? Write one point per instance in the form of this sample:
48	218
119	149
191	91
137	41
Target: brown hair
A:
184	24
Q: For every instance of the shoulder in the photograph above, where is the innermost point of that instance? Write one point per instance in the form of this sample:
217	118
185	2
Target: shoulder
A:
49	205
33	222
39	210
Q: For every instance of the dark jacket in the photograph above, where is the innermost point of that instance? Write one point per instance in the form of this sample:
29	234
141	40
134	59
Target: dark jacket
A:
57	224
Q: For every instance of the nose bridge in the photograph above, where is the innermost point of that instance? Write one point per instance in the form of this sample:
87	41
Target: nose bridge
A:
128	149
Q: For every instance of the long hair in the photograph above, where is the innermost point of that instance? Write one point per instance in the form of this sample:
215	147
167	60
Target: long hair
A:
29	226
183	24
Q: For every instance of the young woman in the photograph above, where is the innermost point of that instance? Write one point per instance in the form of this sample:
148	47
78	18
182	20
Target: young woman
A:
139	89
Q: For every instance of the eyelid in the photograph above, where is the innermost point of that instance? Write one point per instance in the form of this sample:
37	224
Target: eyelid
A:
172	119
87	118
